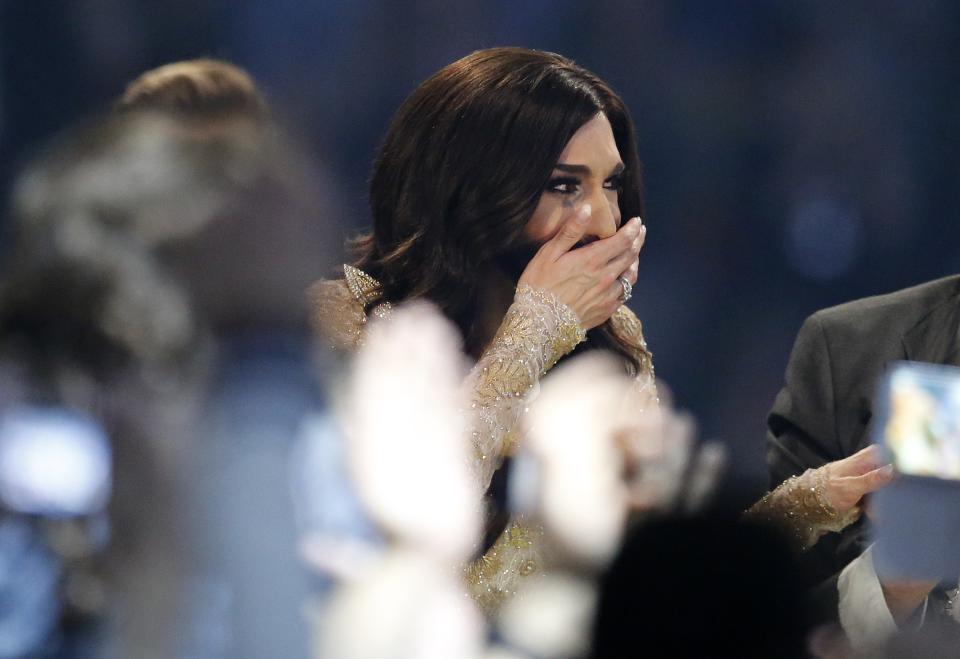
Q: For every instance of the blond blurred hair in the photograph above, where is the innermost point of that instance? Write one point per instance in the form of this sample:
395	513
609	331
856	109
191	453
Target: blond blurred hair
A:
201	89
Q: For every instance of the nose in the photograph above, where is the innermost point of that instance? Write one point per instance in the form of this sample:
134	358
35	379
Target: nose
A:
605	217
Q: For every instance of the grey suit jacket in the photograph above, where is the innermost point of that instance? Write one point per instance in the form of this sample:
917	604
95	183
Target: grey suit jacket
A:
823	412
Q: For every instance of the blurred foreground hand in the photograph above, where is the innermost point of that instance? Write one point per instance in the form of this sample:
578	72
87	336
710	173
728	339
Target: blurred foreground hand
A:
605	447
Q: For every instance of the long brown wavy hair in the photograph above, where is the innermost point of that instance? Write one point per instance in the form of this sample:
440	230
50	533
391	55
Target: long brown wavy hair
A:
462	168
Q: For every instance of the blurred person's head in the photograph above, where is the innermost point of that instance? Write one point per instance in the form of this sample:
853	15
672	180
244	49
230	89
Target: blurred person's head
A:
82	289
705	586
201	91
466	182
250	263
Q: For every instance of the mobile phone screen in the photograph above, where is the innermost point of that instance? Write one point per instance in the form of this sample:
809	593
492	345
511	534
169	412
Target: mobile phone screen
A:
922	426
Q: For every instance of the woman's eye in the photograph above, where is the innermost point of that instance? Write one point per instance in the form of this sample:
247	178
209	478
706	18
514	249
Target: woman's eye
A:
563	185
614	183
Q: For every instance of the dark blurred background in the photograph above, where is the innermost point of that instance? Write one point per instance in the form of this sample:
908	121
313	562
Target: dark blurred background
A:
797	154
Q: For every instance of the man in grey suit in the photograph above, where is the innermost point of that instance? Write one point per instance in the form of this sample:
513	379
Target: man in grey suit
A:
823	414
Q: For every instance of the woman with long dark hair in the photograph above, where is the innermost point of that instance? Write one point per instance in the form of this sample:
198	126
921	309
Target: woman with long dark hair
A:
501	194
507	192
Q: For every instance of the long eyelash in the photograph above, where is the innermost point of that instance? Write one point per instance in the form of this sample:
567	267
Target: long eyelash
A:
615	182
566	180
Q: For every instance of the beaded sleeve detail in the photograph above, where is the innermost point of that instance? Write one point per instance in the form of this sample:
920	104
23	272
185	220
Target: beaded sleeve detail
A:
800	507
339	308
627	326
536	332
517	554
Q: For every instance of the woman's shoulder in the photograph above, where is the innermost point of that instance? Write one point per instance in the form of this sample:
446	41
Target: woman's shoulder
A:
338	307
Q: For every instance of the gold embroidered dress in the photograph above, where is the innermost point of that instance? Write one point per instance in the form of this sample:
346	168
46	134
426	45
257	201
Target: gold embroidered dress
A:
535	333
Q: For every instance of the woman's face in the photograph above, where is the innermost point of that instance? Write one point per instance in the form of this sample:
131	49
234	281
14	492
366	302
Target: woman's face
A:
587	172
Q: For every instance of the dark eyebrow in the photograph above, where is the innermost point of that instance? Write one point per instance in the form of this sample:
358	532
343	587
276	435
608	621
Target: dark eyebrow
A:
583	169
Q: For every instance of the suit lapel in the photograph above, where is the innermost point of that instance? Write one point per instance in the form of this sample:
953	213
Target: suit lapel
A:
934	339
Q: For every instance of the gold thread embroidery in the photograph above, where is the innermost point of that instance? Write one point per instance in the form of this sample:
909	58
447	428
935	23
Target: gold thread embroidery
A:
800	507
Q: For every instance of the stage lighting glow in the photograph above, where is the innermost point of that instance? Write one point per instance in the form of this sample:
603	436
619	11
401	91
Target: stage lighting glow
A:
53	462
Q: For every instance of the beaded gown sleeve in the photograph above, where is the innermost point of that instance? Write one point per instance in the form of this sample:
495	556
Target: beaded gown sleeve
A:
536	332
339	309
801	509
